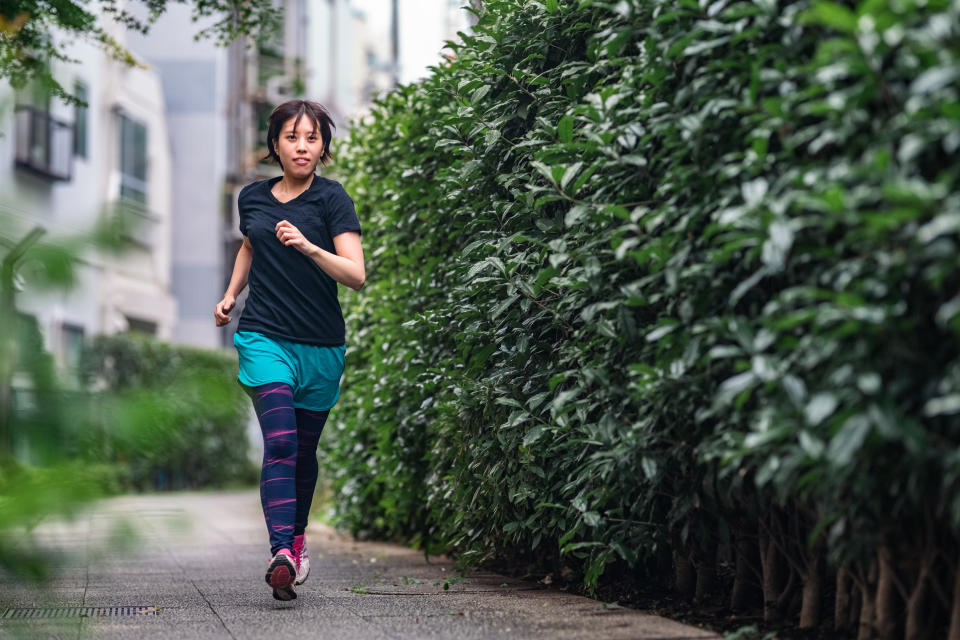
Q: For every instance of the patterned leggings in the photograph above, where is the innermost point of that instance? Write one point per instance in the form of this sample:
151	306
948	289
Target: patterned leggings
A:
289	473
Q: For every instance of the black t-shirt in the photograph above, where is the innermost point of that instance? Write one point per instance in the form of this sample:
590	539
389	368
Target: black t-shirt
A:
291	297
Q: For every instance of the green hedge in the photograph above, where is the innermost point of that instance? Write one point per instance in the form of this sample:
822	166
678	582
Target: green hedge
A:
657	286
170	417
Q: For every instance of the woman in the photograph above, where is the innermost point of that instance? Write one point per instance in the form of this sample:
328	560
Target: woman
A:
301	236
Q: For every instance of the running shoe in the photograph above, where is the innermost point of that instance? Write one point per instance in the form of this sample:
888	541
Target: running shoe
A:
281	574
301	558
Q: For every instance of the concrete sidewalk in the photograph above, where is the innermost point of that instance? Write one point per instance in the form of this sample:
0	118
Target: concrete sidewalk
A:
197	572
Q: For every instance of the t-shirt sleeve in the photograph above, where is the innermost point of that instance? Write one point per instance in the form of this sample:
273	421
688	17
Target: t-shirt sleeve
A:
244	214
341	214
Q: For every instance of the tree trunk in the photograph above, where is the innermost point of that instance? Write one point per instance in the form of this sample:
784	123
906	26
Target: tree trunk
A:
886	613
744	582
812	587
772	566
706	572
685	581
856	601
917	621
954	632
842	604
867	607
788	602
665	566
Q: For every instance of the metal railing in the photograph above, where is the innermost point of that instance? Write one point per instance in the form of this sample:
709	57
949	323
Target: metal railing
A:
44	143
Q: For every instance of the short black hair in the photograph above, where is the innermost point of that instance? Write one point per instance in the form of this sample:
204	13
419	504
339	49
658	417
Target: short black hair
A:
297	109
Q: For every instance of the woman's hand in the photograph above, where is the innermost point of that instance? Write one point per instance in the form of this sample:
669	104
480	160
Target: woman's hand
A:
290	236
223	308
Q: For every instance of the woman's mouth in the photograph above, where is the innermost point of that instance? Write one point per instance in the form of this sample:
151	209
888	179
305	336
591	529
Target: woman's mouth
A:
301	161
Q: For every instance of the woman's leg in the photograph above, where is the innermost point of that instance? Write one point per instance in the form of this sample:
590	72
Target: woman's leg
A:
278	422
309	427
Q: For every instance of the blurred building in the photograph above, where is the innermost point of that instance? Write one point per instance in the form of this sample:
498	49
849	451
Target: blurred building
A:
324	52
176	140
195	80
63	167
218	101
457	18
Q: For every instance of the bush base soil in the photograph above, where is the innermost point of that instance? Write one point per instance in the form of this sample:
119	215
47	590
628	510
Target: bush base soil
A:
635	593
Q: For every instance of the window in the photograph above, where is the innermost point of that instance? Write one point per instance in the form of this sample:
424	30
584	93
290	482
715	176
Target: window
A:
71	347
144	327
133	160
44	143
133	194
80	120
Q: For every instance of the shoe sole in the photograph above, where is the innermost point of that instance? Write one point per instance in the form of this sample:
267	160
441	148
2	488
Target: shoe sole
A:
284	595
281	575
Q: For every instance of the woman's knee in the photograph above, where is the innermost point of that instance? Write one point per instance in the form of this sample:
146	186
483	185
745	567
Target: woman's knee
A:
280	448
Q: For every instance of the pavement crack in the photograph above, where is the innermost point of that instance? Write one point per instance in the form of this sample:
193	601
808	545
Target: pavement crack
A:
210	604
367	619
86	562
204	596
183	571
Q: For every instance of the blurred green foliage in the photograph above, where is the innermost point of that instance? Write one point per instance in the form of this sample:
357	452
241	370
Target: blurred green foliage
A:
31	32
659	284
48	484
168	416
41	472
147	415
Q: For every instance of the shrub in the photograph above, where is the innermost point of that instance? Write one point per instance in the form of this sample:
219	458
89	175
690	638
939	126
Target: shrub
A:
171	416
663	285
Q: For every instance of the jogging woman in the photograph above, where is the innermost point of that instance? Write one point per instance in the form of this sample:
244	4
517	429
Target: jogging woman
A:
301	236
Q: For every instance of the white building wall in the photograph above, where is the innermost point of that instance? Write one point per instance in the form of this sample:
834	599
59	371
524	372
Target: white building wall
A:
194	78
330	73
320	65
109	288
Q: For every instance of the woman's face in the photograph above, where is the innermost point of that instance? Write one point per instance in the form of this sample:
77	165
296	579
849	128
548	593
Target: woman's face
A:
299	149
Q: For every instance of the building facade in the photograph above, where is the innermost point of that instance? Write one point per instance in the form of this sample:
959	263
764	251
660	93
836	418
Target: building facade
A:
63	168
194	76
175	141
324	52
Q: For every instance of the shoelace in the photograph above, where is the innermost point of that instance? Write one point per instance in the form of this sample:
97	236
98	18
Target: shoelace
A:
301	554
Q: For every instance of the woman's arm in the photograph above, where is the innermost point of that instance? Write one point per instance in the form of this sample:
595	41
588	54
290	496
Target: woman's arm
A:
345	266
241	269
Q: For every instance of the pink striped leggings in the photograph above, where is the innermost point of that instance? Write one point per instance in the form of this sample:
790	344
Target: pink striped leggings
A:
289	473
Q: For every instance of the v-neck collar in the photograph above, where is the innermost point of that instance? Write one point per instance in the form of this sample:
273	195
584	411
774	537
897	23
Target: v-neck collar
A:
273	181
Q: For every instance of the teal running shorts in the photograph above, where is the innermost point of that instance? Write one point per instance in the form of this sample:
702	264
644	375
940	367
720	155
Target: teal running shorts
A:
313	371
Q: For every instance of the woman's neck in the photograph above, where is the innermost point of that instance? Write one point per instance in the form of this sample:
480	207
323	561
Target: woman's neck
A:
292	187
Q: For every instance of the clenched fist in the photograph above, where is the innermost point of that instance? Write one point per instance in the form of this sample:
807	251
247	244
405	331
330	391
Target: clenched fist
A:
223	308
290	236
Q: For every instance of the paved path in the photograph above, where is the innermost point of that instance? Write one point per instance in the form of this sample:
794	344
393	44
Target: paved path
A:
199	560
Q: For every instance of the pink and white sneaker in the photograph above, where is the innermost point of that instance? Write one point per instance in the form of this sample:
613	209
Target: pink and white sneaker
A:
301	558
281	574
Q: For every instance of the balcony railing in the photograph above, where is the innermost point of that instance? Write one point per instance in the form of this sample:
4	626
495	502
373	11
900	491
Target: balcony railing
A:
44	143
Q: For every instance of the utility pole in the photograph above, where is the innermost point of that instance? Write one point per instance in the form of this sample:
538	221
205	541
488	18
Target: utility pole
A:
8	322
395	40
